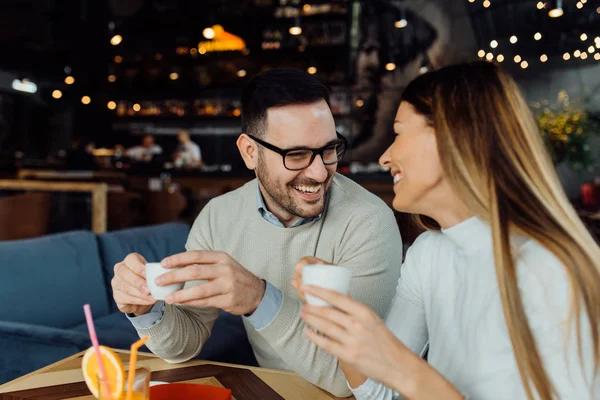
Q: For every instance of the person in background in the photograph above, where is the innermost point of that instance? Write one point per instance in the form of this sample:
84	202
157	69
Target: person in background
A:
246	242
81	156
504	288
188	153
146	151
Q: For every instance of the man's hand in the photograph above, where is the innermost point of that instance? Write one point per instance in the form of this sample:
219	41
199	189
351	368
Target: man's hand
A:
297	281
230	286
129	286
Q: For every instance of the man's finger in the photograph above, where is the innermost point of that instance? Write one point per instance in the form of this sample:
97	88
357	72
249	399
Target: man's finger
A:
191	273
127	277
192	257
123	298
136	263
198	292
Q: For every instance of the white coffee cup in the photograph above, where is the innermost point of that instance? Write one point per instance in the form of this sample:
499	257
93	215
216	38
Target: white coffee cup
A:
153	271
326	276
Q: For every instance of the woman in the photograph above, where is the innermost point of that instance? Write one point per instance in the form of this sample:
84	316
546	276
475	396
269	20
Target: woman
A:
504	289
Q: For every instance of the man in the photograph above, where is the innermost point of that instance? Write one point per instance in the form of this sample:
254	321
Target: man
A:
246	242
188	153
146	151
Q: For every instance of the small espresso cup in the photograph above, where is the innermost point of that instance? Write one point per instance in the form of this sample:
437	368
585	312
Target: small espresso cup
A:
326	276
153	271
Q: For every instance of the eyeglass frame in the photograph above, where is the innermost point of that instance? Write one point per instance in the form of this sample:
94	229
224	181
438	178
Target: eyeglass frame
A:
315	151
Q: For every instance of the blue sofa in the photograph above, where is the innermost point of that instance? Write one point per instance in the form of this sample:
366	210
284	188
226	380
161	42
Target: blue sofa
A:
47	280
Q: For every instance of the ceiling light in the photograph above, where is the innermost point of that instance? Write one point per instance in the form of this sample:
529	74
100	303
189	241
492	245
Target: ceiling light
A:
116	40
556	10
208	33
402	23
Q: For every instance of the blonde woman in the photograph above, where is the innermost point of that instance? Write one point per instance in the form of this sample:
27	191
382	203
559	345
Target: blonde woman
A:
504	288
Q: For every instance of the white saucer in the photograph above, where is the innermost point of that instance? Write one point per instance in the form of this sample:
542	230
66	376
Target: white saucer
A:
155	383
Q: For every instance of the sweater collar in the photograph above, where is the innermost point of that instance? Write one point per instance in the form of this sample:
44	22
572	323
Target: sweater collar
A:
469	234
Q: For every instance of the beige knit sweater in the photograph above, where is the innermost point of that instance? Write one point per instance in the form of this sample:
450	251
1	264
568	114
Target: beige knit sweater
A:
357	230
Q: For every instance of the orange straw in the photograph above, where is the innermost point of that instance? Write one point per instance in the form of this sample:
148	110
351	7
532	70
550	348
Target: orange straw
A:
132	361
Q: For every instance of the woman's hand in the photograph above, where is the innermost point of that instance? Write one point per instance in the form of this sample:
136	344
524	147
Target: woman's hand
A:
297	280
359	338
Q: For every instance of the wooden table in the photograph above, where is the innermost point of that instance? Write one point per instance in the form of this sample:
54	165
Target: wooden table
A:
64	380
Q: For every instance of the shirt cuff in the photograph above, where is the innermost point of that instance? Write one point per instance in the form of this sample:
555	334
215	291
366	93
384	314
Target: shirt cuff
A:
267	309
153	317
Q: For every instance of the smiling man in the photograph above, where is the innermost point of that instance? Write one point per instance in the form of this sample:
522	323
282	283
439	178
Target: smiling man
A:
245	243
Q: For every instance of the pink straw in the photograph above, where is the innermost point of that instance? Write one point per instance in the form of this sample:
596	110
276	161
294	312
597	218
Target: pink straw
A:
90	323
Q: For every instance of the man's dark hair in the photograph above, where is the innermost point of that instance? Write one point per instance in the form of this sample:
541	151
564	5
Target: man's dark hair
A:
275	88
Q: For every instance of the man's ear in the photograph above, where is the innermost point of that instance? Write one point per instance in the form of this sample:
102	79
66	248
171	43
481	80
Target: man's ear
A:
248	150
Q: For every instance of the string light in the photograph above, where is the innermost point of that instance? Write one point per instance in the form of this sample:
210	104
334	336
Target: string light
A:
517	58
137	107
111	105
537	36
86	100
481	53
493	44
500	58
173	76
118	59
579	5
359	103
241	73
313	70
584	56
487	3
583	37
489	56
57	94
389	66
69	80
541	5
566	56
591	49
577	53
112	78
524	64
583	1
513	39
471	1
295	30
544	58
597	56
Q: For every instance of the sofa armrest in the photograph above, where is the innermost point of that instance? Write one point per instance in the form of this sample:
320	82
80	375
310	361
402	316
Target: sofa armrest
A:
26	347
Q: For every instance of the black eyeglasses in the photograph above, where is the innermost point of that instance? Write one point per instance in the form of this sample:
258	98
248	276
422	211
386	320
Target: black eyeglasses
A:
301	158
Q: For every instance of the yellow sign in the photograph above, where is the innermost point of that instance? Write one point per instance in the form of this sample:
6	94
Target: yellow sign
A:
223	41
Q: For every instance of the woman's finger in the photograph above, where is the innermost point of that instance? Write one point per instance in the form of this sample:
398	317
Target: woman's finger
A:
326	327
338	300
325	343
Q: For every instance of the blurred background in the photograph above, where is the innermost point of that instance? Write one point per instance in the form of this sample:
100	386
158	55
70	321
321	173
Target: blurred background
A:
121	113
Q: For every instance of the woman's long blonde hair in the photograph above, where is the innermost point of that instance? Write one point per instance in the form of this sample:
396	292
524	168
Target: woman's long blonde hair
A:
495	159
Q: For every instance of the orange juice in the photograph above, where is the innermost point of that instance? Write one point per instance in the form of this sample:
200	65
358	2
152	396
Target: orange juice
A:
134	396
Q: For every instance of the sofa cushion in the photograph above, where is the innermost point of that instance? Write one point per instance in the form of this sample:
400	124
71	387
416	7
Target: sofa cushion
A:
25	348
114	331
153	242
49	279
